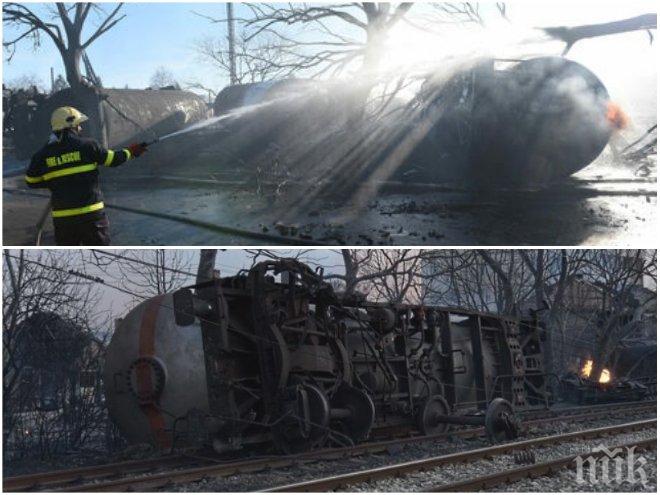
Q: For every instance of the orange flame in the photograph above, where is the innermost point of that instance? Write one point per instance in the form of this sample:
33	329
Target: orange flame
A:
604	376
586	368
616	116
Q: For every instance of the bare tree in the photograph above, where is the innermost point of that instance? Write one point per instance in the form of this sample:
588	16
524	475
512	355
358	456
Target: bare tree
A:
196	85
441	14
333	50
256	59
163	77
64	26
482	280
618	274
584	295
51	337
393	275
26	82
142	273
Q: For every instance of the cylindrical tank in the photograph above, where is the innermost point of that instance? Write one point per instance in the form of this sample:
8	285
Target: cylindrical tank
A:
154	372
541	120
128	114
239	95
532	123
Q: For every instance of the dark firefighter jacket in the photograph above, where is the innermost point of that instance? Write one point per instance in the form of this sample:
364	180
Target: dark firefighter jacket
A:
69	168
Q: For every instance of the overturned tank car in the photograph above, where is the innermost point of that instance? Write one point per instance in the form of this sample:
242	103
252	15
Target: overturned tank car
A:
274	357
116	116
248	94
530	122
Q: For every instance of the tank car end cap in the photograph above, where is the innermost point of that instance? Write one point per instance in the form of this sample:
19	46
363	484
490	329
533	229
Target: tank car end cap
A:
146	377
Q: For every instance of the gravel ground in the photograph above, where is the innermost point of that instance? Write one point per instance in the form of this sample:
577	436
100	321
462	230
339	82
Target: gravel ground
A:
301	472
72	460
428	480
566	481
29	465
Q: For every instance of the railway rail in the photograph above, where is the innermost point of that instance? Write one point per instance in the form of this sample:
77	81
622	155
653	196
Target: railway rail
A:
532	471
540	416
180	468
343	480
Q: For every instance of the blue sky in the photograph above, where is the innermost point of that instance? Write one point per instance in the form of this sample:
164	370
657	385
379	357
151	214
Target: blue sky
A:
167	33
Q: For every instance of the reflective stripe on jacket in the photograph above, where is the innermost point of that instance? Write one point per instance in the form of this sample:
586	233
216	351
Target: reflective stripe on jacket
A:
68	166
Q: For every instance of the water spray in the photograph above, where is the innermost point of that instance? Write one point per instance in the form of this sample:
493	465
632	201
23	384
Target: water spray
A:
193	127
213	120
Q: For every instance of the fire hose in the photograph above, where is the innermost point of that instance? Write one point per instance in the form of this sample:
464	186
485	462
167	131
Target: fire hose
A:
41	223
220	229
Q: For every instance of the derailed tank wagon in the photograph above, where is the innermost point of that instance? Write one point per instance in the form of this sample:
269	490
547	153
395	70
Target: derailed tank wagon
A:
273	356
513	123
482	123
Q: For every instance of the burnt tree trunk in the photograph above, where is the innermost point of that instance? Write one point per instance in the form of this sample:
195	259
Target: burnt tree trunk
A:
71	58
571	35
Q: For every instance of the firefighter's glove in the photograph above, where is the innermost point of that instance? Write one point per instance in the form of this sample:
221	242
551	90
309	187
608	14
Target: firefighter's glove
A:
137	149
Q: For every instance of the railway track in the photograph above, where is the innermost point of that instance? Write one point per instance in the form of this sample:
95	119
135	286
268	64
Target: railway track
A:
182	468
47	480
540	416
547	468
397	470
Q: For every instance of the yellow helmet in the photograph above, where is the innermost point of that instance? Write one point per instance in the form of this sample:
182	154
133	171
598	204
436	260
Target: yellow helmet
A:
66	118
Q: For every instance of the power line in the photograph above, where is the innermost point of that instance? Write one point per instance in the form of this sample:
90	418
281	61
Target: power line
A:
146	263
127	258
75	273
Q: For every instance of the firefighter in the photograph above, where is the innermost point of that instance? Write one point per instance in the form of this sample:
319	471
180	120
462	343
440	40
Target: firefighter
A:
68	166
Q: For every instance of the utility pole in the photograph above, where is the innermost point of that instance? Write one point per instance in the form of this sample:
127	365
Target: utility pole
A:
52	80
206	265
230	38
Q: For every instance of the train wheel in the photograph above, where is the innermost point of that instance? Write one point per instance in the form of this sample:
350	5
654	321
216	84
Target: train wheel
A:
355	410
501	421
427	417
307	425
